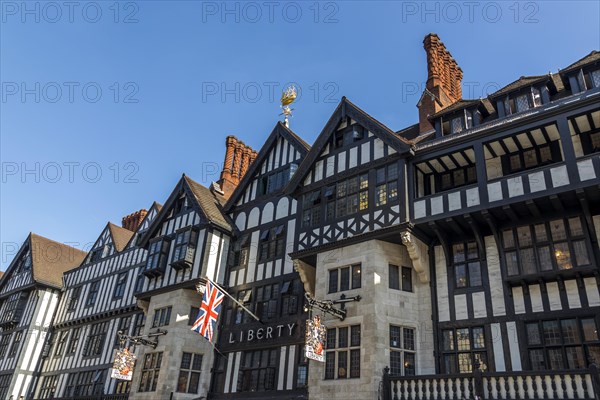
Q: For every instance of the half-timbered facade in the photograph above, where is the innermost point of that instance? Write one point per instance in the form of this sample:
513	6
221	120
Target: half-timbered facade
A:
264	359
98	301
472	238
187	242
29	295
352	216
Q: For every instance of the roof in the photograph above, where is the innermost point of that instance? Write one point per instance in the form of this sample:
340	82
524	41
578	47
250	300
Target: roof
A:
462	104
120	236
210	202
279	130
519	83
593	57
346	109
300	141
51	259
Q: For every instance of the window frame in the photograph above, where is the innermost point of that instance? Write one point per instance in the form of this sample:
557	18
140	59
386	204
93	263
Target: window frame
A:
553	246
352	281
343	354
402	347
545	346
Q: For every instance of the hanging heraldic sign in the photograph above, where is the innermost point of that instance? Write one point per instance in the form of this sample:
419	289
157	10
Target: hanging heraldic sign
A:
123	365
315	339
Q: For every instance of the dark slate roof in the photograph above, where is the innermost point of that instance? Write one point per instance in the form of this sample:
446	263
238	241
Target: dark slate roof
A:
462	104
409	133
120	236
210	202
518	84
279	129
591	58
51	259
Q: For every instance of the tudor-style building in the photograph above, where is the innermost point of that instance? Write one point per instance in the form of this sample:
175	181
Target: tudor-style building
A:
29	294
263	360
98	301
187	242
352	219
471	236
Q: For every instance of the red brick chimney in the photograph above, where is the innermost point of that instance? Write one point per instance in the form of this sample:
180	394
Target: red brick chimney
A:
133	220
238	157
444	79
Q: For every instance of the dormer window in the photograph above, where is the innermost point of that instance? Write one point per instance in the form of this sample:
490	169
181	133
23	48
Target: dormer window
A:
457	125
596	78
522	103
348	136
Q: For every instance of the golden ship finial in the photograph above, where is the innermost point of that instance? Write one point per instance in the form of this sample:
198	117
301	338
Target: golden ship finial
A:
287	98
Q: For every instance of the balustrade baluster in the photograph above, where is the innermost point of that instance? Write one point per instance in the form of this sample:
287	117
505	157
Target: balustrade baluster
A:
563	386
489	388
574	385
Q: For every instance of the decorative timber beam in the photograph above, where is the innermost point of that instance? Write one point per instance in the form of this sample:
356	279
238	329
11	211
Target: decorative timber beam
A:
477	233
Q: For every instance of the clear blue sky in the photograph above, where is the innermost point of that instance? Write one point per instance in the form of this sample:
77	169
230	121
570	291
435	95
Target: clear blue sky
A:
176	77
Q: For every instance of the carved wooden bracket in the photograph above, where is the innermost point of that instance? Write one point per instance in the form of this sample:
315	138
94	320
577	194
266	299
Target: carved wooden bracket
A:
419	255
307	275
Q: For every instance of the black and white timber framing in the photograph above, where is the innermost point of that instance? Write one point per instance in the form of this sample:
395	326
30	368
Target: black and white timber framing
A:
472	245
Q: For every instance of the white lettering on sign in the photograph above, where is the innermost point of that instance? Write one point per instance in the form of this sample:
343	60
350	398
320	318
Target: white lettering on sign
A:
269	332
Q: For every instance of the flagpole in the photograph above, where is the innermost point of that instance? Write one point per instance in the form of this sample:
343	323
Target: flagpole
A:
237	302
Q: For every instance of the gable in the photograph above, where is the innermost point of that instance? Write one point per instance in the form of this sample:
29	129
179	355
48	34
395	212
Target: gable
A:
350	146
275	164
350	138
19	272
189	204
144	225
102	248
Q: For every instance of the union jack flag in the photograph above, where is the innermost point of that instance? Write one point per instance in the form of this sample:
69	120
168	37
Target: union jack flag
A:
209	311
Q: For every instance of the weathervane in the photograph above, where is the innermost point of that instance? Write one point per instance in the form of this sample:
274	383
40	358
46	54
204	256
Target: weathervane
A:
287	98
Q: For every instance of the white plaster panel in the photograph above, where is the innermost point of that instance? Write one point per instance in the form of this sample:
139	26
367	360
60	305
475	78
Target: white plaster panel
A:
365	153
536	181
472	197
441	272
329	166
553	296
437	205
454	201
498	348
420	209
494	191
518	300
460	307
378	149
513	344
495	276
515	186
535	294
572	294
560	177
586	170
591	290
479	305
353	157
341	162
